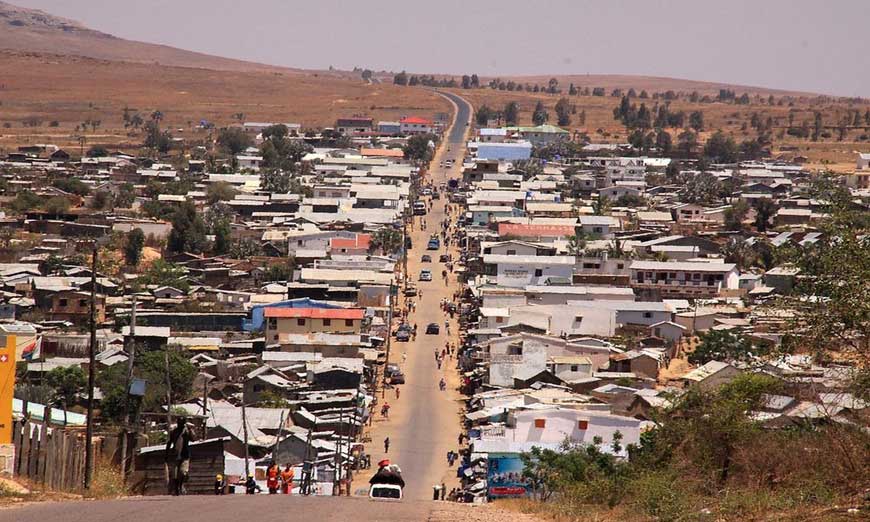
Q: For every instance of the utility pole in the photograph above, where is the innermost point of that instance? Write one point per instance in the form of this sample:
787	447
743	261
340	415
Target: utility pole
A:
305	484
131	354
92	363
389	339
245	435
336	481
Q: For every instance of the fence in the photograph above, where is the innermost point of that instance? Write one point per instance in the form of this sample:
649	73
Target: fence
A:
50	456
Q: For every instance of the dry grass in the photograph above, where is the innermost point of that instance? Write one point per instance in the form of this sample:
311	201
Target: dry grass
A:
602	128
70	90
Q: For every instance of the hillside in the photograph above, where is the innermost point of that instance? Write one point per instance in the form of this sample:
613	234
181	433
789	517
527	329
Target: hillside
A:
650	84
31	30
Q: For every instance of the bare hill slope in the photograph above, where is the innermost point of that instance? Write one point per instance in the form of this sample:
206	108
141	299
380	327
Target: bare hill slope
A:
31	30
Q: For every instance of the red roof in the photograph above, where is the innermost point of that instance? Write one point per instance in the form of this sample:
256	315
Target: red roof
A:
519	230
360	241
316	313
416	120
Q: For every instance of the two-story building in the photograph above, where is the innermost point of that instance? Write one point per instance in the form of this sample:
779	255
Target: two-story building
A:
683	279
283	322
353	126
415	125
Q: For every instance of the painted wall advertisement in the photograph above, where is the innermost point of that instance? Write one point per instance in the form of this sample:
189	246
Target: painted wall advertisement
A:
504	477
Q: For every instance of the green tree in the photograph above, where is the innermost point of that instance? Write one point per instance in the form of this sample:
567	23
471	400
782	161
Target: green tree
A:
150	366
735	215
220	191
101	200
540	115
188	230
726	345
126	196
386	240
687	143
511	113
721	148
164	273
25	201
663	142
601	206
222	238
420	147
696	121
702	188
233	140
133	247
764	210
72	186
67	384
275	181
563	112
56	205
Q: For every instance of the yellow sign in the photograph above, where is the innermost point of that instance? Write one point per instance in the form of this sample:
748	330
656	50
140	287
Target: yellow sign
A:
7	386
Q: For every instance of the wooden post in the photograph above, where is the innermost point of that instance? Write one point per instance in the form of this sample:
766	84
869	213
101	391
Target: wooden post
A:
131	354
92	362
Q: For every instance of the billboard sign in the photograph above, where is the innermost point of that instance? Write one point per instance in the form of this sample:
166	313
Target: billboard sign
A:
504	476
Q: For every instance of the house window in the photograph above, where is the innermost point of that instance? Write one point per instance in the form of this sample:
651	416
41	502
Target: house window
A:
327	322
540	423
539	272
574	368
583	425
273	323
348	322
696	276
620	266
515	350
499	320
511	252
275	337
83	303
61	302
647	315
300	322
597	230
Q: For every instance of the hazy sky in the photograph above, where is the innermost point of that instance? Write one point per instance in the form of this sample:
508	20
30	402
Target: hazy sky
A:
808	45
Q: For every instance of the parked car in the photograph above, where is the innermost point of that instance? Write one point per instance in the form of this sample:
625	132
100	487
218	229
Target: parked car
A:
410	291
426	258
444	258
425	275
394	374
434	244
433	329
403	336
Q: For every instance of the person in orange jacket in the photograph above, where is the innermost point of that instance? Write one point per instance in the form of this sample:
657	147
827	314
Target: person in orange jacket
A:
272	475
287	480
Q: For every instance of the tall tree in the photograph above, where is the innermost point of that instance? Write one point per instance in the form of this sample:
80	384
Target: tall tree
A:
511	113
540	115
188	230
563	112
133	246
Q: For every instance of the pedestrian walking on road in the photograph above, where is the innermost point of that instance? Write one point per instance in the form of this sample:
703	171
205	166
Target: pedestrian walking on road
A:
443	491
443	384
387	445
397	393
177	456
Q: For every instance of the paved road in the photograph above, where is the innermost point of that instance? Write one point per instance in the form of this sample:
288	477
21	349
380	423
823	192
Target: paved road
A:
423	422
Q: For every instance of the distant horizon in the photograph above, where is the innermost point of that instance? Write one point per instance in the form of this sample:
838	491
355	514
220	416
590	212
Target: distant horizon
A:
796	45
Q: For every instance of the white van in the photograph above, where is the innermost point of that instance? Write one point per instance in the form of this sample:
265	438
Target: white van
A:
385	492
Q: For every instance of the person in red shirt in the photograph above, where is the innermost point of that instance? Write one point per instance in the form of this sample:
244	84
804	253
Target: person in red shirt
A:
272	475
